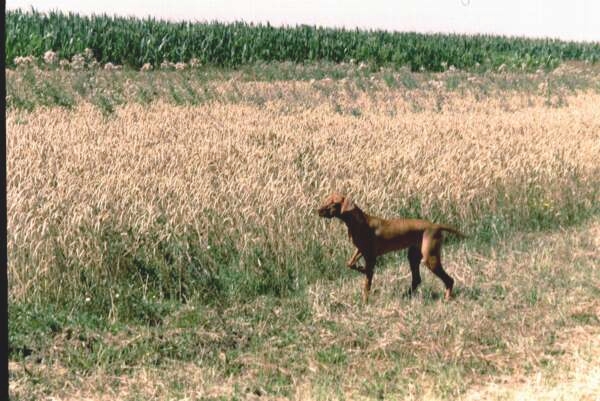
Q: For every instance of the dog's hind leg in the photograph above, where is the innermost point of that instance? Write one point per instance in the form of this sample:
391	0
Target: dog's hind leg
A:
431	250
414	258
438	270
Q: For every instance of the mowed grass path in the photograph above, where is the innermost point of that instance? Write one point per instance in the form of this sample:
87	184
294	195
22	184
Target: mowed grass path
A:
173	251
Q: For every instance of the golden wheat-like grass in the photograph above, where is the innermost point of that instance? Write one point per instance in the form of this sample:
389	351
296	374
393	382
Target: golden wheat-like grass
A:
259	171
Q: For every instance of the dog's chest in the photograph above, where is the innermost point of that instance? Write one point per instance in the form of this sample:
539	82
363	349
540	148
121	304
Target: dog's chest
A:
363	240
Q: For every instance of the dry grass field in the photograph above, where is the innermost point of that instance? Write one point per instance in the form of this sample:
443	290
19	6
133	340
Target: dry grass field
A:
172	251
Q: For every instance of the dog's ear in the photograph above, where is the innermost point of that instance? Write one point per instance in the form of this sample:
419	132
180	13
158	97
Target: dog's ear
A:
347	205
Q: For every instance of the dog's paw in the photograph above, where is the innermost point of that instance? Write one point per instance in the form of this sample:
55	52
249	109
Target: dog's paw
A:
357	268
408	293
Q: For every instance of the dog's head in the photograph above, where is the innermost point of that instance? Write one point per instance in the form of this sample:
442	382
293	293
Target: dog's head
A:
335	205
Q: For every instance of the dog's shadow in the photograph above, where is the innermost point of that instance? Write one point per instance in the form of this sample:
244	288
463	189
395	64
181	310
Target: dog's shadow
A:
469	293
428	294
424	294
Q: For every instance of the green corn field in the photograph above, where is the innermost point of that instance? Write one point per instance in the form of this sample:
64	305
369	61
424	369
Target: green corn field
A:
134	42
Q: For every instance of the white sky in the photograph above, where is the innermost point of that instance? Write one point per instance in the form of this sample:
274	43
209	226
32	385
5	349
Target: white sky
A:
565	19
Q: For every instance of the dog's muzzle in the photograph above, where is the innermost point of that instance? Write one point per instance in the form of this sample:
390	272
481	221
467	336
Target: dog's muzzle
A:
324	213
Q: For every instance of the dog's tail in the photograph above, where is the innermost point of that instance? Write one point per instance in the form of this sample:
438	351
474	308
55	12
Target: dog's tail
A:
451	229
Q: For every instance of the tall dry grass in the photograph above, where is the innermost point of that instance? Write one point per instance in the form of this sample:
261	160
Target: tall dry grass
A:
167	194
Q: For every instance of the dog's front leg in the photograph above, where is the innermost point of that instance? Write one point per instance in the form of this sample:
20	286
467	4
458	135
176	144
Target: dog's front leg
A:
369	270
352	262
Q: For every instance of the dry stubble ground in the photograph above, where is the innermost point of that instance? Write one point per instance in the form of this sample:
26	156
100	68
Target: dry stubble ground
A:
248	176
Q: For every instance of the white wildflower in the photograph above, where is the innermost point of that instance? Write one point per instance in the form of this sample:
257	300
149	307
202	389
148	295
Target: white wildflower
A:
78	62
24	61
167	65
88	54
110	66
50	57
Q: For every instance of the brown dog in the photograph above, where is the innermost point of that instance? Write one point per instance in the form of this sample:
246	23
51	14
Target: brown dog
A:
374	236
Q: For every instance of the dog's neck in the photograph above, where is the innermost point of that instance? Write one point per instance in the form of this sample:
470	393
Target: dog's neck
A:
355	219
